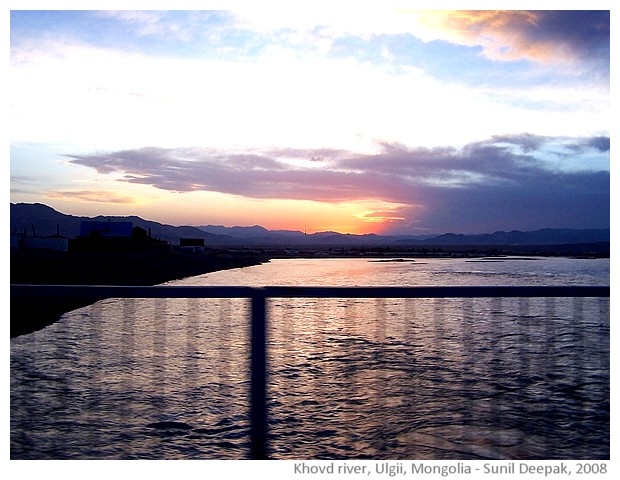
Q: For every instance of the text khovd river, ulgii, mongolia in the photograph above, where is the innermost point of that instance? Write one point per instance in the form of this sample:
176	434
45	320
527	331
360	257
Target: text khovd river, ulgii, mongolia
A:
421	468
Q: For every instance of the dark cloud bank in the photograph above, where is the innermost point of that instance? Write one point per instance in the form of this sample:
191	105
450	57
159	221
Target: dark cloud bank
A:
507	182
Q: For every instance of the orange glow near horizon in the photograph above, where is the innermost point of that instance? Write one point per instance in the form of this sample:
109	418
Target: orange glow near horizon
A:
209	208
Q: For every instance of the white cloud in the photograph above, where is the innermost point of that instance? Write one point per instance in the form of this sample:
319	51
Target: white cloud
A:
68	92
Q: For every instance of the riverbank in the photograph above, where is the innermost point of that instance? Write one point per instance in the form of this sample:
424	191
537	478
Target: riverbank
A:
142	268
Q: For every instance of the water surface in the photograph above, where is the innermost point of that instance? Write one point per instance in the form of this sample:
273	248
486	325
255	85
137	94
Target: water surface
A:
349	378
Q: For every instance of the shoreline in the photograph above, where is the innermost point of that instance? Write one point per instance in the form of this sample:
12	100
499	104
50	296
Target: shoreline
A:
29	314
40	267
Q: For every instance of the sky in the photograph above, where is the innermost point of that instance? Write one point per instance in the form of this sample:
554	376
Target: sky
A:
361	120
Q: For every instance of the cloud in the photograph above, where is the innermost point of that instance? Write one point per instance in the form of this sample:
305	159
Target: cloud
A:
93	196
149	22
179	25
505	179
506	34
390	215
602	144
71	85
264	175
540	36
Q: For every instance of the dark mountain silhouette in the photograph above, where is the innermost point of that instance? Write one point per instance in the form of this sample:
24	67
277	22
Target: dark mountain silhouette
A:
41	219
255	231
546	236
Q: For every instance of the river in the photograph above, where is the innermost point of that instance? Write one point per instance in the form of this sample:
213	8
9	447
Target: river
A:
348	378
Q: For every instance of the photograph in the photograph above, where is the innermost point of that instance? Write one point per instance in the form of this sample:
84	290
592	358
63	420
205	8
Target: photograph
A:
348	240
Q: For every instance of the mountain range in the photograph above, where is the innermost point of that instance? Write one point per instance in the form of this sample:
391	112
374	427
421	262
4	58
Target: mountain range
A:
39	219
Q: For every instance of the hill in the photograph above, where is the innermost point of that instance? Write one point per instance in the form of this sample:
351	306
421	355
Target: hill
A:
39	219
44	220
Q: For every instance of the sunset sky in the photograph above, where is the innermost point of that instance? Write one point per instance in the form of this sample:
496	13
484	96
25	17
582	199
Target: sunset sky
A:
377	120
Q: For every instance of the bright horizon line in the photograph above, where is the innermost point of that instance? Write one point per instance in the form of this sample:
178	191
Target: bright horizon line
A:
305	231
